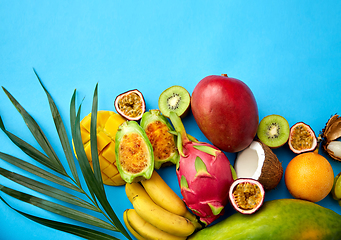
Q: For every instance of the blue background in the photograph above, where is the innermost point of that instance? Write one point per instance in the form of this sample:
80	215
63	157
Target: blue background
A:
287	52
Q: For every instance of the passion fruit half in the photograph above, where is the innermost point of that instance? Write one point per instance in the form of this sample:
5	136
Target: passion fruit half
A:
302	138
246	195
130	105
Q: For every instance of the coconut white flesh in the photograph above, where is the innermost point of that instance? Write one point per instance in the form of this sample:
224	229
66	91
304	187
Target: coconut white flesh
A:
335	147
249	162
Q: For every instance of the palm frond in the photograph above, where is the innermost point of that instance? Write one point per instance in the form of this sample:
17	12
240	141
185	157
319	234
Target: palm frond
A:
31	151
57	208
38	134
98	200
90	178
61	132
69	228
46	189
38	171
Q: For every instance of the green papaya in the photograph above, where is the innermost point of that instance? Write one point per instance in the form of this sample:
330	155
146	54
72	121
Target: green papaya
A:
277	219
134	152
158	128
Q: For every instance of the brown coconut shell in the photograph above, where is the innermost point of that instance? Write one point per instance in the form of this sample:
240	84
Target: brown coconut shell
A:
272	170
331	132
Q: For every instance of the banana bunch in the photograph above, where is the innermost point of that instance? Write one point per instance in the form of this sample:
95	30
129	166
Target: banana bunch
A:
158	212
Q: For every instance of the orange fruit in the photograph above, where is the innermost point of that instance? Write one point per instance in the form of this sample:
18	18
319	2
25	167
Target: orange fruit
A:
309	176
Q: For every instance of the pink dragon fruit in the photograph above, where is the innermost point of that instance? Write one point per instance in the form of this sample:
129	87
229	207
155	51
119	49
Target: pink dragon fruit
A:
204	174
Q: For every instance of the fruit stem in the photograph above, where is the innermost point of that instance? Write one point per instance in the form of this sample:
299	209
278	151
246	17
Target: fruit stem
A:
179	127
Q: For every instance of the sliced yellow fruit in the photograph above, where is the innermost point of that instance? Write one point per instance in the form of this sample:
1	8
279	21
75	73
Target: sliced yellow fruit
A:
107	125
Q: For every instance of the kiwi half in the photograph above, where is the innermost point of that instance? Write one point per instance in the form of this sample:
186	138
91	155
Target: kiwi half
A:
176	99
273	131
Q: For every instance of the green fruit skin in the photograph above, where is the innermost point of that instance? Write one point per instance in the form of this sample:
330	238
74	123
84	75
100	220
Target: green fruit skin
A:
336	190
277	219
126	128
155	115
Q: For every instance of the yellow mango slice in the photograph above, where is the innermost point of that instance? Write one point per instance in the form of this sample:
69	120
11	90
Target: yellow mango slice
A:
107	125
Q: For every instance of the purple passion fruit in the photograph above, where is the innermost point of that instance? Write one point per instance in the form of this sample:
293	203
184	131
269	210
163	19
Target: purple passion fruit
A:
130	105
246	195
302	138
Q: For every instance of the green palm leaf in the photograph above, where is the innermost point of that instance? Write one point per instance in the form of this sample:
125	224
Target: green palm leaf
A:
57	208
46	189
38	134
30	150
78	145
93	141
61	133
38	171
92	182
73	229
92	177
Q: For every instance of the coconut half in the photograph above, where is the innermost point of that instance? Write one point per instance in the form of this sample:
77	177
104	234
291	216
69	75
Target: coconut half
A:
259	162
330	135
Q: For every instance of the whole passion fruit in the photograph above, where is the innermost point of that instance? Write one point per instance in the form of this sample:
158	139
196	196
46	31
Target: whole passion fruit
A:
130	105
246	195
302	138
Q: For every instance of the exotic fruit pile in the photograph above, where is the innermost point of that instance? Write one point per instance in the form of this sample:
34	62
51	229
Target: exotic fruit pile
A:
134	145
226	112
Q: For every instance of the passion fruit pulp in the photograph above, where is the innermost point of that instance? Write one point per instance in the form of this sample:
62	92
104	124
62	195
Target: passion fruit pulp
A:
302	138
130	105
246	195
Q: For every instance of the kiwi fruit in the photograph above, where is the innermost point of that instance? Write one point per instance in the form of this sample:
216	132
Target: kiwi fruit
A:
273	131
176	99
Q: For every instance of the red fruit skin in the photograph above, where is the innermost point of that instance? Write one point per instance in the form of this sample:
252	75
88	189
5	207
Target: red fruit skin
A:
205	189
226	111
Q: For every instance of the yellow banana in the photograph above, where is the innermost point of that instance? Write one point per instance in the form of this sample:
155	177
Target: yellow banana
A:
165	197
161	218
130	228
145	229
135	189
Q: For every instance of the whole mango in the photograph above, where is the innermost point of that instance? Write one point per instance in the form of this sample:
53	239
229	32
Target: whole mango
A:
226	112
277	219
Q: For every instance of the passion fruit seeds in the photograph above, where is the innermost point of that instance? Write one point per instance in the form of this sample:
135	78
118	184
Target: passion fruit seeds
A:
302	138
246	195
130	105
